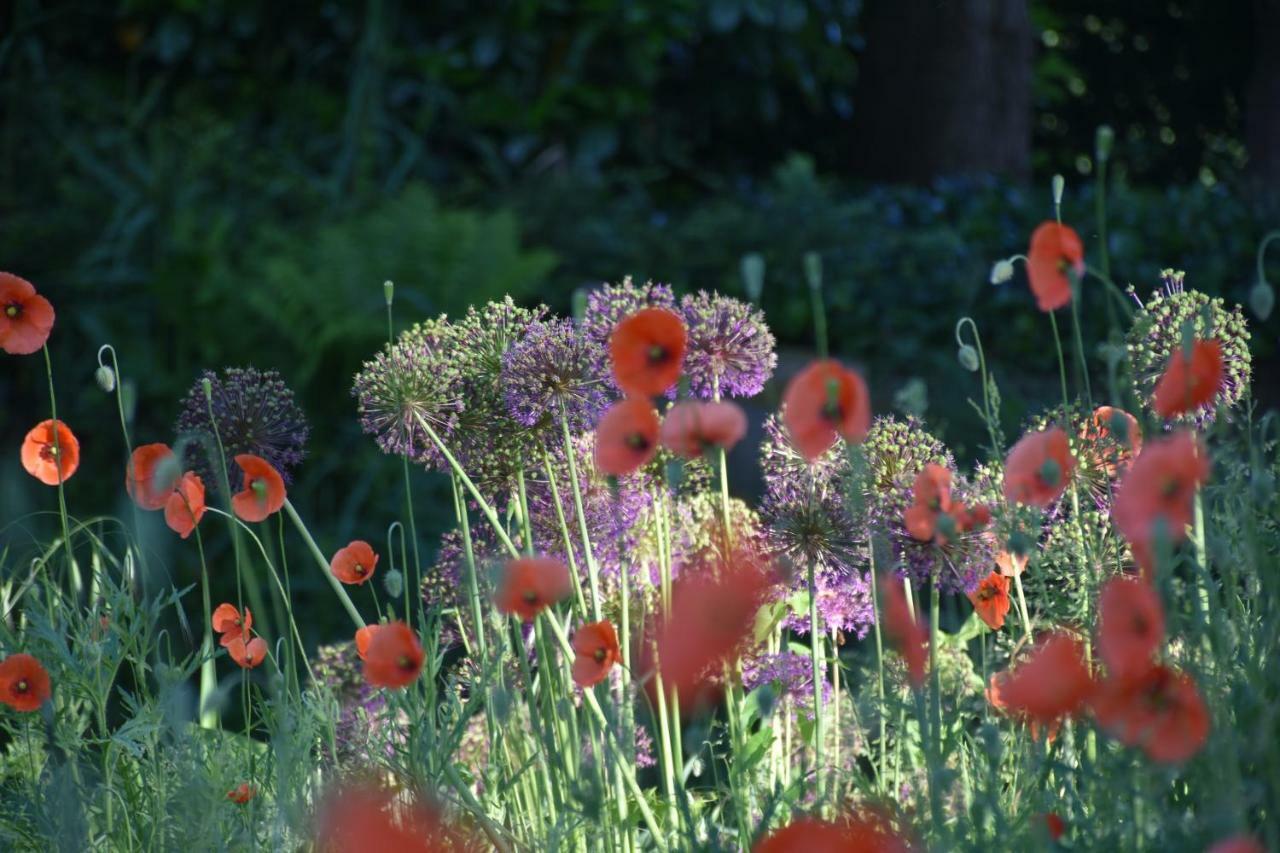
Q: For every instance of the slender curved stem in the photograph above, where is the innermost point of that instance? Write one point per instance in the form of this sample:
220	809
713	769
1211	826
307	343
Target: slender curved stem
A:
323	564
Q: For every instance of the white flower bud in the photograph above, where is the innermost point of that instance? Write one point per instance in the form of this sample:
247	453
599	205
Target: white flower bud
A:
1001	271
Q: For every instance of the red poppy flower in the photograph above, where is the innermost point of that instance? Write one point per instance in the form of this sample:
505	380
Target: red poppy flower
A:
185	506
1010	564
241	793
24	683
1158	489
1130	625
692	428
394	656
531	584
263	493
1055	250
1238	844
249	653
969	518
932	498
856	835
361	817
227	621
1054	825
647	351
595	651
626	437
355	563
1189	382
823	402
901	629
995	696
47	461
151	476
991	600
1053	682
1102	447
26	317
1160	711
713	611
1038	468
364	636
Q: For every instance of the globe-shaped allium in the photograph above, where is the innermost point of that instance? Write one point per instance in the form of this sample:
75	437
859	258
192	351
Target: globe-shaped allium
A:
555	369
609	303
1158	330
730	350
408	388
787	674
253	412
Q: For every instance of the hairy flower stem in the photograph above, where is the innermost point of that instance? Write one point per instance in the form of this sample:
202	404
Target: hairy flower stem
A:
593	571
208	673
323	565
815	658
73	571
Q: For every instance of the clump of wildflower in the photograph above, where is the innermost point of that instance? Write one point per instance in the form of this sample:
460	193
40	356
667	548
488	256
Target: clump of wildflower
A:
1158	331
788	675
730	349
609	303
254	413
555	368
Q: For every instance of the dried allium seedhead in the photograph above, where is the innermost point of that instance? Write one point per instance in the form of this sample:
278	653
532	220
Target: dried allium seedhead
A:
730	350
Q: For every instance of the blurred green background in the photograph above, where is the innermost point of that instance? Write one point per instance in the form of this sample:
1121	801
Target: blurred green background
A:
209	183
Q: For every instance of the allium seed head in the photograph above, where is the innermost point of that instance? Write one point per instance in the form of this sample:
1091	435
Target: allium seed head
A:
730	349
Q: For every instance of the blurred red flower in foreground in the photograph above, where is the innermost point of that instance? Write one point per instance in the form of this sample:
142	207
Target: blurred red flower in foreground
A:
185	506
1190	380
48	461
26	317
393	657
1038	468
360	817
263	491
1055	250
693	428
531	584
823	402
241	793
1238	844
595	648
1130	625
647	351
862	834
626	437
1156	493
991	600
24	683
1053	682
1054	825
355	563
901	629
151	476
1160	711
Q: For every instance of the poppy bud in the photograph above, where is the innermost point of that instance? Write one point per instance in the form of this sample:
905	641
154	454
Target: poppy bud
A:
106	378
393	583
1001	271
813	270
1059	185
1102	142
752	266
389	291
207	386
968	357
1262	299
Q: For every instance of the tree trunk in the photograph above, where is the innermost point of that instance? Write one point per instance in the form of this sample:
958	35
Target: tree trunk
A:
1262	108
944	89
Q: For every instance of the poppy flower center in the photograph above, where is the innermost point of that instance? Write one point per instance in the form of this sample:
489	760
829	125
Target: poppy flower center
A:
259	489
1169	488
530	597
1050	471
404	663
599	655
21	686
657	353
12	310
359	569
48	452
636	441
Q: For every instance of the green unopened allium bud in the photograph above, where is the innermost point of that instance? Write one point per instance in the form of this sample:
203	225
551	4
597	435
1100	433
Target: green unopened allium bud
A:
813	270
1001	271
579	304
1262	299
106	378
968	358
389	291
393	583
752	267
1059	185
1102	142
207	387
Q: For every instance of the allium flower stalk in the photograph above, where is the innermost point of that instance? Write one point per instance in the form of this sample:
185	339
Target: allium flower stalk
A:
254	412
1158	331
555	367
411	383
788	675
730	350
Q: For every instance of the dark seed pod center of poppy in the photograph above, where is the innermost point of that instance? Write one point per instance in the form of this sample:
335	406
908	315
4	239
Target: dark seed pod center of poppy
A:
1169	488
599	655
530	597
1050	471
404	663
359	569
636	441
21	686
12	310
657	353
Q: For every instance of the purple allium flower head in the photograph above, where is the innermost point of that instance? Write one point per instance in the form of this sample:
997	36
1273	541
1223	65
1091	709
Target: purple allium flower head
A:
609	303
406	386
254	412
787	674
730	349
555	366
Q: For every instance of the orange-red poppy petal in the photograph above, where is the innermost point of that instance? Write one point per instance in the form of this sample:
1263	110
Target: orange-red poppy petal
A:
1189	382
1038	467
691	428
1053	682
185	506
151	476
248	653
1055	250
1130	625
596	650
394	656
531	584
24	683
51	460
355	563
26	317
646	350
626	437
263	493
822	403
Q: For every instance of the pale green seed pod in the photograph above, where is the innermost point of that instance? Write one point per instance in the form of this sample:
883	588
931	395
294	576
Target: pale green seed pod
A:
106	378
752	270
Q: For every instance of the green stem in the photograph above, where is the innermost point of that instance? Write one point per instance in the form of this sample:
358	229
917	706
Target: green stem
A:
208	672
880	693
593	572
1022	605
323	564
73	572
815	659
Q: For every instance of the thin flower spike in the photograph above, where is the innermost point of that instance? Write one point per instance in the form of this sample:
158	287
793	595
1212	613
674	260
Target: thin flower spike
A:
185	506
151	475
355	563
26	317
394	656
1130	626
596	651
263	492
626	437
47	460
1038	468
692	428
1055	251
1190	380
1160	711
901	629
646	350
24	683
991	600
823	403
529	585
1053	682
